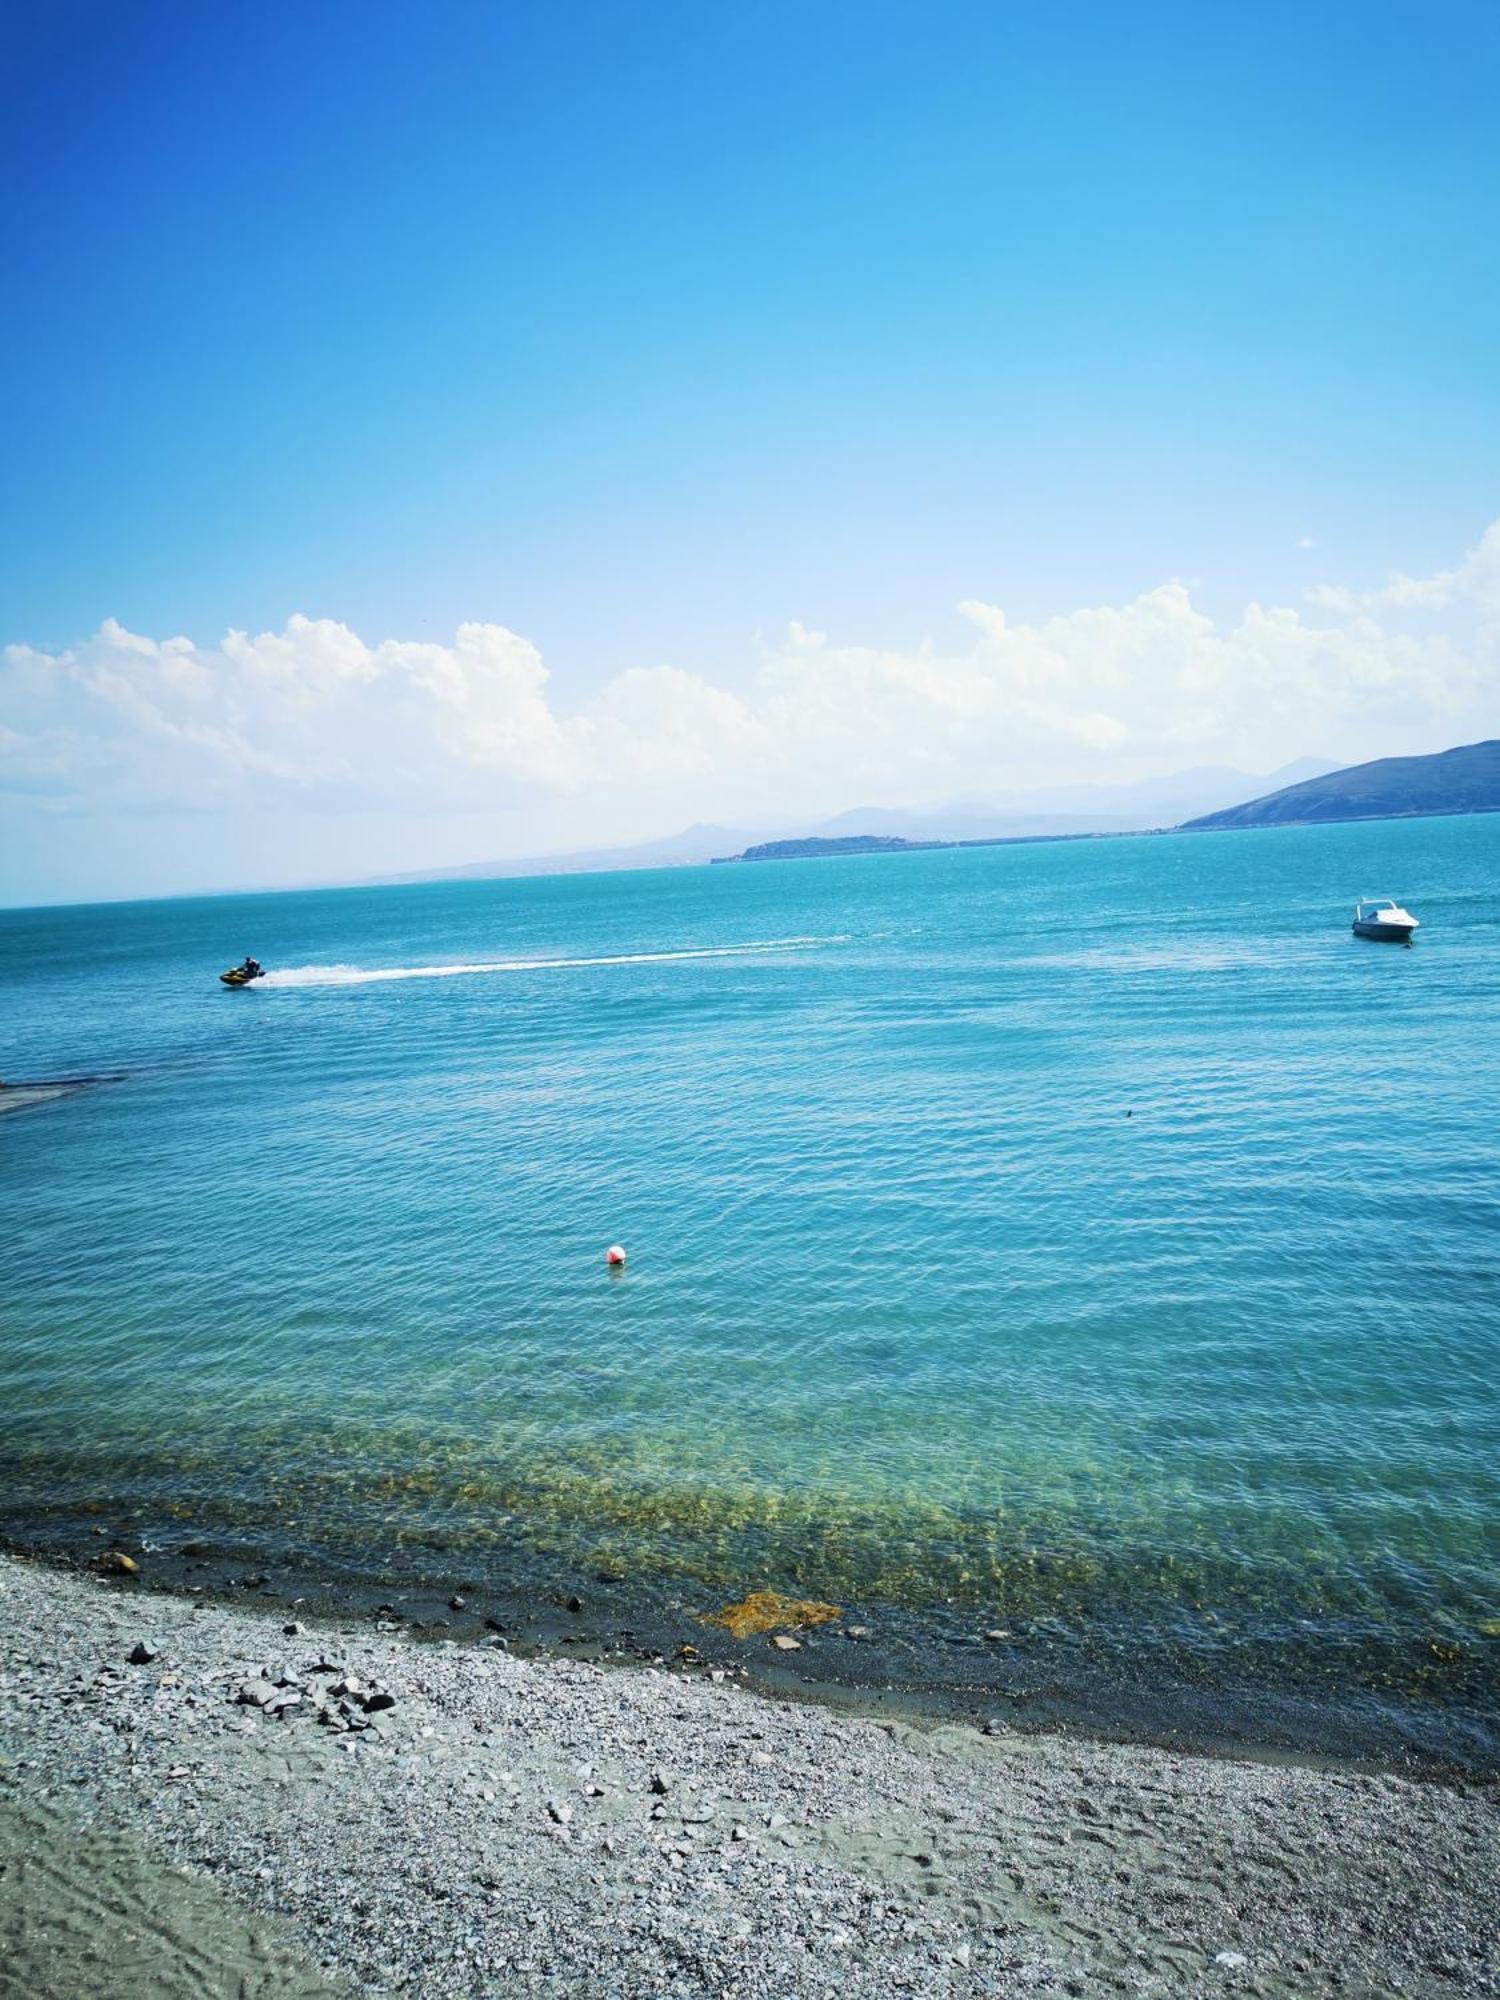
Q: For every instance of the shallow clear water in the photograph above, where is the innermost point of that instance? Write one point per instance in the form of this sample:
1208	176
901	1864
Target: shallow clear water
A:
1093	1240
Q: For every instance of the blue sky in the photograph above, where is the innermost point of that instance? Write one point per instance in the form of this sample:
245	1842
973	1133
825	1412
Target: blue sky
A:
645	332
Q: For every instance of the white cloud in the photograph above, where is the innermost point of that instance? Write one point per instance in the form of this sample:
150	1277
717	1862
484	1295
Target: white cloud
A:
1475	581
317	715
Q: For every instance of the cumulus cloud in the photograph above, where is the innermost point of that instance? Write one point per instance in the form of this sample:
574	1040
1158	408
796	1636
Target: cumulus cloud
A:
317	714
1475	581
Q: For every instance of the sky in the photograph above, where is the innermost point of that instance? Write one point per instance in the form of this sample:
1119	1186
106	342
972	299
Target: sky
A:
429	434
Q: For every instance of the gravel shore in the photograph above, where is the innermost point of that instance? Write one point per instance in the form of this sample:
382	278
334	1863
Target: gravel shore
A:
196	1801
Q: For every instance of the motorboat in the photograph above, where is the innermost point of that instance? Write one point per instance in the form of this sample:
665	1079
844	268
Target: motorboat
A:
1383	919
241	975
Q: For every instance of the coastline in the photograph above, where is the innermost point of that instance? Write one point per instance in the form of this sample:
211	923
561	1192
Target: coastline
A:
1423	1708
467	1821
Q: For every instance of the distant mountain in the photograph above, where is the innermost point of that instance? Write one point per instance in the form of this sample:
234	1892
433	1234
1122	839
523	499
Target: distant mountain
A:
1466	780
1061	809
1058	812
677	850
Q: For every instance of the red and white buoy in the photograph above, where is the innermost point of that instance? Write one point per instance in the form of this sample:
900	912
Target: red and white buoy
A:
614	1256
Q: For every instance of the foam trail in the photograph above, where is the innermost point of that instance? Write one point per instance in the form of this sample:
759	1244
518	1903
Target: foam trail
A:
358	975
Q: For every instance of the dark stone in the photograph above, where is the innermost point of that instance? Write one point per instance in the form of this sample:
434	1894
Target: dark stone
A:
574	1603
381	1698
142	1653
455	1602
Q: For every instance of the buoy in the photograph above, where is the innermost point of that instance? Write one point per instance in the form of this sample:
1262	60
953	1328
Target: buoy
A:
614	1256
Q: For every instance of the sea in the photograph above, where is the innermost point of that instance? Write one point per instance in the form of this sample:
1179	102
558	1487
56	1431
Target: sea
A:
1078	1263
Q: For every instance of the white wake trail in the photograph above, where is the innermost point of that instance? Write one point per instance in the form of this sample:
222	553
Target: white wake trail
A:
359	975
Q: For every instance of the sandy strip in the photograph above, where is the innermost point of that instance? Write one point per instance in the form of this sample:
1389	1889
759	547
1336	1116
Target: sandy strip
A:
462	1822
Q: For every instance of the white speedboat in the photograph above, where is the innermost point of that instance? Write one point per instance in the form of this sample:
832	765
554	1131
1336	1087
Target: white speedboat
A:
1382	918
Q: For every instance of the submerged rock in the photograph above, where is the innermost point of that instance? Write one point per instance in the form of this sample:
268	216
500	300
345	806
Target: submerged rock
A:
114	1562
768	1611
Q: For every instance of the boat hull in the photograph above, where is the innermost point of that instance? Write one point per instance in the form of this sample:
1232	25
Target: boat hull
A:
1385	933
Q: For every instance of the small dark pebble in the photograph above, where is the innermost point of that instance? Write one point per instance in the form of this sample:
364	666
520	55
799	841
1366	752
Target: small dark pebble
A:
380	1699
575	1603
142	1653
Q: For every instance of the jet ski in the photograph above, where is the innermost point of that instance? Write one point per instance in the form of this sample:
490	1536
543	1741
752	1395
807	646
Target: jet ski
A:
241	975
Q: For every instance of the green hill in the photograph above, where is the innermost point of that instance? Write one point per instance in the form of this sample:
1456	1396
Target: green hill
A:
1466	780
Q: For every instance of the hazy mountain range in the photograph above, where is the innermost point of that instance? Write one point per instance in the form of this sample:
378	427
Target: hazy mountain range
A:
1077	808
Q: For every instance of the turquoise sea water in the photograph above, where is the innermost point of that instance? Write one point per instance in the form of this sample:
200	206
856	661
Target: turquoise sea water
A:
1093	1242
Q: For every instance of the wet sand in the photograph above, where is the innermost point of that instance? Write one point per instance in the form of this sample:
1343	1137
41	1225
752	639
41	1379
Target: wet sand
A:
252	1811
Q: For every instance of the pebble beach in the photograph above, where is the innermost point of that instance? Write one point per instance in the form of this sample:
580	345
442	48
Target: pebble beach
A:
200	1800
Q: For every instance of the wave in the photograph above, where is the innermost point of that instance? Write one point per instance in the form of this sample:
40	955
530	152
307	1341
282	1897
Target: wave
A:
361	975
